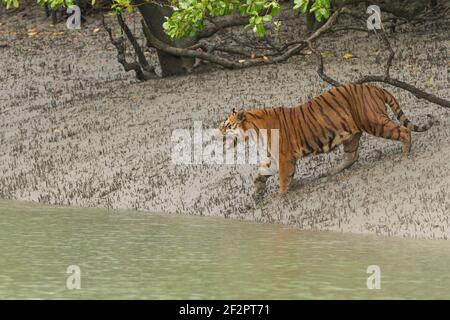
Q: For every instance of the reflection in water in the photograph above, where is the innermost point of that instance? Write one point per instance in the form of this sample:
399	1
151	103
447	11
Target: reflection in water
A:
134	255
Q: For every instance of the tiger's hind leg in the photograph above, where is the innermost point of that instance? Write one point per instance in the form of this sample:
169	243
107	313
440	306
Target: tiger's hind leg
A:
286	172
351	154
392	131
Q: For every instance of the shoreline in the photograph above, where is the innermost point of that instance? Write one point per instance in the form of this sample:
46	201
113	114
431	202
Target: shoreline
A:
77	130
288	227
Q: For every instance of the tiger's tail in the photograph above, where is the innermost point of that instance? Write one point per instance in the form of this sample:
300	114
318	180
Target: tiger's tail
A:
395	107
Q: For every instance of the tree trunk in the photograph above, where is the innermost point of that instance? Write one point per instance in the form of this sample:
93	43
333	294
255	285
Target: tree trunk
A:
54	17
310	17
154	16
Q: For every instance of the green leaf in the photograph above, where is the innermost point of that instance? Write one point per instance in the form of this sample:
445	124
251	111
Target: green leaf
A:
301	4
267	18
260	30
275	10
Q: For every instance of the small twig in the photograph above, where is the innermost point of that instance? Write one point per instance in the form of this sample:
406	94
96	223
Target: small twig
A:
349	29
391	55
320	70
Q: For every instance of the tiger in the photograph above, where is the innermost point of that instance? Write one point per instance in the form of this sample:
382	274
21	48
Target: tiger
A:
338	116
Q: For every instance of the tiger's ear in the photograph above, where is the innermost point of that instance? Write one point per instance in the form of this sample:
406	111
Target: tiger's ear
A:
234	110
240	116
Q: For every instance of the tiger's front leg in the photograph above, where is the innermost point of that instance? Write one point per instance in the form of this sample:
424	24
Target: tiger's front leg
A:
266	169
286	173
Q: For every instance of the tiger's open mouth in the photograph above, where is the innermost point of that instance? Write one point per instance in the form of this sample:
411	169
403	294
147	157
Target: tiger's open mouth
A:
230	141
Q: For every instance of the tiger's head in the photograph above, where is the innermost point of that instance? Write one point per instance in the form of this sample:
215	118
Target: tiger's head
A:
232	128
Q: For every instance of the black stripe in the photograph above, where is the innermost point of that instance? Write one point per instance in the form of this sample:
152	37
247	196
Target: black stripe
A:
327	119
298	136
335	99
312	113
369	102
343	95
291	119
315	135
255	116
305	139
343	121
286	125
306	148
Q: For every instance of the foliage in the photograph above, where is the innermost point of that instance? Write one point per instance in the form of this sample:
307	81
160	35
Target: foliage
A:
52	3
10	3
321	8
189	15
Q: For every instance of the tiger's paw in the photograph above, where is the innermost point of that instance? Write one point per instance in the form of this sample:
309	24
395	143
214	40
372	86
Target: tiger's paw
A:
281	194
260	183
260	187
258	196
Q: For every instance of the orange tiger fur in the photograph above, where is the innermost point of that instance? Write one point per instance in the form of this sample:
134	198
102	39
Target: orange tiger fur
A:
336	117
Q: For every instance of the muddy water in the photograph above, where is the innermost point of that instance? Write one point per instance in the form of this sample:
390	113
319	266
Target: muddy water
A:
135	255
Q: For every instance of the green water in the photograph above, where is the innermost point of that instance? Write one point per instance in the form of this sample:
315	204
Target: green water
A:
134	255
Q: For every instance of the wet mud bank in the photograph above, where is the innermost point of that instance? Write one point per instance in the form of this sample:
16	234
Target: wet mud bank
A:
75	129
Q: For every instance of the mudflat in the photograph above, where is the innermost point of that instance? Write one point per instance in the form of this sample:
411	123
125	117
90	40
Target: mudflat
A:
76	130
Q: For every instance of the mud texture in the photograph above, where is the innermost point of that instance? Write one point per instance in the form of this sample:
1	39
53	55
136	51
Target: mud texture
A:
75	129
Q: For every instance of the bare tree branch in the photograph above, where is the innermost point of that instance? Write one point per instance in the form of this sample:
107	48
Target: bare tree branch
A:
141	74
386	78
137	48
406	86
320	70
